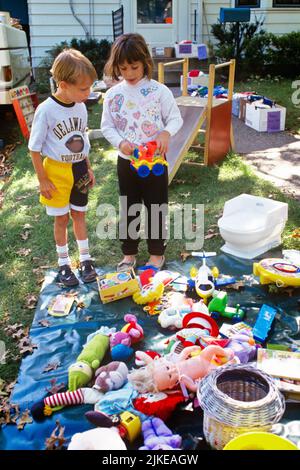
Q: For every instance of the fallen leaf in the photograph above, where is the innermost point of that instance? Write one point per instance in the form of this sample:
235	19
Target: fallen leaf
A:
51	366
31	301
80	305
44	323
57	439
295	233
1	199
24	419
55	388
184	256
23	251
27	227
210	235
25	235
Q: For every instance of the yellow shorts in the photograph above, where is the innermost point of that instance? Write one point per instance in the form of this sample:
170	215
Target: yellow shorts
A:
71	181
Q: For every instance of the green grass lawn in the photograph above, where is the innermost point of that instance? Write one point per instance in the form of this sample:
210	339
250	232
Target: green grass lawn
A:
26	239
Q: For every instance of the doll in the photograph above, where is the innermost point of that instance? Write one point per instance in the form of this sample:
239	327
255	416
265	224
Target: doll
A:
162	374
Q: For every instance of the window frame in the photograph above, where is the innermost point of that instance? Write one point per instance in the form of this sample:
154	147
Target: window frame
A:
291	5
247	6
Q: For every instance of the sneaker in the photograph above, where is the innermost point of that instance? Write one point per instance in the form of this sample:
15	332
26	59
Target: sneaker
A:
87	271
66	276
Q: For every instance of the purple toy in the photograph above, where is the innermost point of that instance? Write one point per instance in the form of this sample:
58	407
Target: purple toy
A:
157	436
243	346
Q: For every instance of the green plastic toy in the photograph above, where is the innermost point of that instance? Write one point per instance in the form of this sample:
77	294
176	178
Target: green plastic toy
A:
218	306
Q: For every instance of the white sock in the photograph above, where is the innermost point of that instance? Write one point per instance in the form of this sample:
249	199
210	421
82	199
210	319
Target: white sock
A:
83	246
63	255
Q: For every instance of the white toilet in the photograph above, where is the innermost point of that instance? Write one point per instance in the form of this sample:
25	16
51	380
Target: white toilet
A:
252	225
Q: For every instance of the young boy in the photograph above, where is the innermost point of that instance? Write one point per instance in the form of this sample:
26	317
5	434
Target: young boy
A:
59	134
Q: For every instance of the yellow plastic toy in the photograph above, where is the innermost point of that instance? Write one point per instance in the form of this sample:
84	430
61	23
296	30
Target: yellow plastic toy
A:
130	426
148	293
277	271
260	441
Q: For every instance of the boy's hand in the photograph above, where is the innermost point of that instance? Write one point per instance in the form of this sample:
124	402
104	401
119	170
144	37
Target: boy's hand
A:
46	188
92	178
162	141
126	147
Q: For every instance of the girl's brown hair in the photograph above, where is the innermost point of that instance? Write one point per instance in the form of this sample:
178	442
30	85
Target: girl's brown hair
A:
128	48
70	65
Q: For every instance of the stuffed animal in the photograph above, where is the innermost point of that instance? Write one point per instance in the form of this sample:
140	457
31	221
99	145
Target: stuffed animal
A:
157	436
121	341
82	371
111	377
162	374
160	404
97	439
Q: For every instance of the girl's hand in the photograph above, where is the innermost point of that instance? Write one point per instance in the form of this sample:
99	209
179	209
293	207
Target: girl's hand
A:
163	140
126	147
92	178
46	188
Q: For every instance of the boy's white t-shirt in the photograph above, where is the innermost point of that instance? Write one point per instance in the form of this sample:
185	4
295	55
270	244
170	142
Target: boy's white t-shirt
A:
138	113
59	131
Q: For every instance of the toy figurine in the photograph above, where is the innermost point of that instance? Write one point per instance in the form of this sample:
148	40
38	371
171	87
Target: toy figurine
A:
162	374
146	159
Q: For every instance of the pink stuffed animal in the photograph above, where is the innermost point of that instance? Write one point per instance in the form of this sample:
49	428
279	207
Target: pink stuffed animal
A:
121	341
162	374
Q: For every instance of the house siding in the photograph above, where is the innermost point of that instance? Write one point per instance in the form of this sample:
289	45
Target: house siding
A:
52	23
276	20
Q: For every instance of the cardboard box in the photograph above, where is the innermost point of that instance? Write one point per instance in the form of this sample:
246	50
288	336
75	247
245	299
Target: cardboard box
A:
202	80
265	119
191	50
166	52
115	286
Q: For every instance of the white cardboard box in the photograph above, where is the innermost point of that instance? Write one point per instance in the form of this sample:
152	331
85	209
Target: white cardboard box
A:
265	119
202	80
191	50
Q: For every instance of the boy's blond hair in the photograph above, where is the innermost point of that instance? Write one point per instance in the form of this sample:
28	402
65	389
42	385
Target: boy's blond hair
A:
70	65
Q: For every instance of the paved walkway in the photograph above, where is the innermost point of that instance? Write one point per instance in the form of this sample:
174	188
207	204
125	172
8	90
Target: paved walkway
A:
274	156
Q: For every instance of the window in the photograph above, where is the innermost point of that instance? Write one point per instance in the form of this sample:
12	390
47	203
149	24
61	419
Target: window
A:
154	11
286	3
247	3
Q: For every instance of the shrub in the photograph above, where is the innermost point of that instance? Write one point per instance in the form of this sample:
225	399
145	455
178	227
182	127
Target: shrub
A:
258	51
96	51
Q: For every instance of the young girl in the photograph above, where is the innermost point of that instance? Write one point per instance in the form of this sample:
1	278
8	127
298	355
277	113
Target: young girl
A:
59	134
138	110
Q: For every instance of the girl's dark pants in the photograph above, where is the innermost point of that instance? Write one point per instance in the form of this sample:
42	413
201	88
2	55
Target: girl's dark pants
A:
153	192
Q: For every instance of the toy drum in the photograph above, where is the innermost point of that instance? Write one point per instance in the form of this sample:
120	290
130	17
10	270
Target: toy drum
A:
237	399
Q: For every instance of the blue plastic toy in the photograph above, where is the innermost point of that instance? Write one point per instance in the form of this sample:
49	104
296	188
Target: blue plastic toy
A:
263	323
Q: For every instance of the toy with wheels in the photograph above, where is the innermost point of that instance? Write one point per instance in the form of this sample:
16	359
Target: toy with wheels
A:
218	306
146	159
277	271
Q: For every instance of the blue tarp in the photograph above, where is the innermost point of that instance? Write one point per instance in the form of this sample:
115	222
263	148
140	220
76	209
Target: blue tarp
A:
63	340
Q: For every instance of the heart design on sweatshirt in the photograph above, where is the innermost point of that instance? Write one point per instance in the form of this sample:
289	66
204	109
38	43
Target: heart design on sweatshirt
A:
137	115
149	128
120	122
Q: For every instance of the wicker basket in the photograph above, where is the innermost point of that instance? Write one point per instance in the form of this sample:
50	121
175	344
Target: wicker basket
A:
238	399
